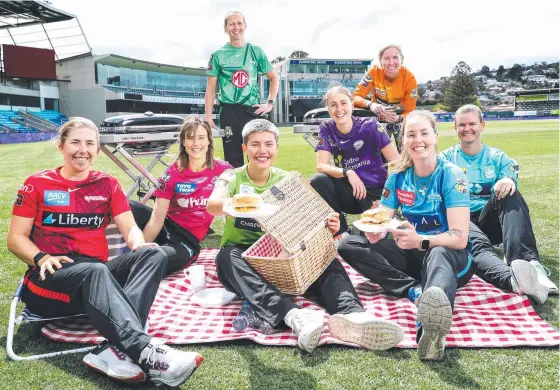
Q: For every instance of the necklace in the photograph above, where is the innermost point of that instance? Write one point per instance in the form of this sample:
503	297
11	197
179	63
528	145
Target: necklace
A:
421	189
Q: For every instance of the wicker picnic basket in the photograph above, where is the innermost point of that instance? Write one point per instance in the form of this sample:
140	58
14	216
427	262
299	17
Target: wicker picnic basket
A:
297	231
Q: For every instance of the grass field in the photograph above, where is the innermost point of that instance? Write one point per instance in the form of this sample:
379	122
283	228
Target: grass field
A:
245	365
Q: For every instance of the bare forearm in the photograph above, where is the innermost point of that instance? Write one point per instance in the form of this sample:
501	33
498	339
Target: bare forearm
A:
453	239
330	170
134	237
216	207
152	229
23	248
274	87
209	101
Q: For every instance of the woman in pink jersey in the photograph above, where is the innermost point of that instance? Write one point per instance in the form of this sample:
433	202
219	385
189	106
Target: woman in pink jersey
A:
179	220
58	230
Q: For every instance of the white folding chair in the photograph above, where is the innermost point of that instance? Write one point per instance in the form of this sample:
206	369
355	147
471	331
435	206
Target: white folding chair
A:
27	317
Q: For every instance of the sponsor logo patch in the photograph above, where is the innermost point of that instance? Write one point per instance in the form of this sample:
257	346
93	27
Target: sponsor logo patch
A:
247	224
185	188
72	220
192	202
413	94
95	198
434	198
26	188
489	172
240	79
210	61
56	198
380	92
405	197
19	200
386	192
320	142
381	127
428	224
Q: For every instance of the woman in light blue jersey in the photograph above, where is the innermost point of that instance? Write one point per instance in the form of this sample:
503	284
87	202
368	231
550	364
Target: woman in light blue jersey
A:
426	259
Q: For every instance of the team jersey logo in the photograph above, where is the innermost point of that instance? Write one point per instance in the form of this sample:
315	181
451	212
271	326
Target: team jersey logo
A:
240	79
489	172
413	94
95	198
245	189
19	200
185	188
386	192
247	224
57	198
210	61
76	220
428	224
358	144
461	185
192	202
380	92
405	197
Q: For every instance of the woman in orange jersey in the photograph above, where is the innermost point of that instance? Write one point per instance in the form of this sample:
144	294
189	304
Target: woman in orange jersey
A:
393	91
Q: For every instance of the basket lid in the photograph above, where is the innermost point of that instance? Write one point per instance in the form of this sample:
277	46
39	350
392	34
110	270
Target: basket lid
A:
302	212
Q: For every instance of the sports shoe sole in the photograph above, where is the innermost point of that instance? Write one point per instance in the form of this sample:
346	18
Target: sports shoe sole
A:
97	364
527	279
198	359
435	314
375	334
311	339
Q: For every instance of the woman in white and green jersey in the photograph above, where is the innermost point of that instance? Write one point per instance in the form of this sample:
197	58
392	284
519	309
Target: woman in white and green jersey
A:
235	68
333	289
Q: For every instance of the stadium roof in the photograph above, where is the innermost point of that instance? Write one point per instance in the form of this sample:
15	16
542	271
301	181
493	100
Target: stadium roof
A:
132	63
38	24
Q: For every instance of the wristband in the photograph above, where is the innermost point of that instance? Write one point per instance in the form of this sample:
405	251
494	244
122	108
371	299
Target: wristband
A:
38	257
270	102
344	172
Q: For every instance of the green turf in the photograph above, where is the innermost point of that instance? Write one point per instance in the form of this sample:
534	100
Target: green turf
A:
245	365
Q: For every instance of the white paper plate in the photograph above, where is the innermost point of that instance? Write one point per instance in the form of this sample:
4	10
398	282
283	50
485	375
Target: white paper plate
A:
369	228
264	211
213	297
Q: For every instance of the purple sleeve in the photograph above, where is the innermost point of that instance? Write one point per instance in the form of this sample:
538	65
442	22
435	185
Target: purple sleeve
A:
323	139
379	135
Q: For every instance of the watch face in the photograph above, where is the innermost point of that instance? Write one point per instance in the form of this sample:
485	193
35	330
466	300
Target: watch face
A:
426	244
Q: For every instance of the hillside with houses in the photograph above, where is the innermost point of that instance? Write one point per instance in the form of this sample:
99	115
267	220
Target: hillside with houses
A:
497	87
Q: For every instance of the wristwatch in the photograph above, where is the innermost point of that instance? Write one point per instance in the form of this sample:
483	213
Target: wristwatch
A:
344	172
424	244
38	257
270	102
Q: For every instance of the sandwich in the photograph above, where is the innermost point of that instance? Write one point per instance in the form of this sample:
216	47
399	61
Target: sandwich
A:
375	217
246	202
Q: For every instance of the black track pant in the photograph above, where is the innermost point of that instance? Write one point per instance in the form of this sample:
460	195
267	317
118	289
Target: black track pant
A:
338	194
180	245
397	270
116	296
233	117
333	290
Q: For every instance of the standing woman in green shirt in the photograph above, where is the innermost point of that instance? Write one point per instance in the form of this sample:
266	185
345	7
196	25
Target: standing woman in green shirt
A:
235	68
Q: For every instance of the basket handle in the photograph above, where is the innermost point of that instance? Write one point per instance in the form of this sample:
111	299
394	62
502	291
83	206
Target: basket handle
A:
277	193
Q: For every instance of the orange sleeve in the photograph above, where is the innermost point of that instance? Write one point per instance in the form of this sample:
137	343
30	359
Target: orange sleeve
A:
363	89
410	96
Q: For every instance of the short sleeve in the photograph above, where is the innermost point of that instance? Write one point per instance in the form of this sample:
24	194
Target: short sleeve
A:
213	68
264	64
165	185
119	202
379	135
455	187
323	139
226	182
507	167
389	195
27	199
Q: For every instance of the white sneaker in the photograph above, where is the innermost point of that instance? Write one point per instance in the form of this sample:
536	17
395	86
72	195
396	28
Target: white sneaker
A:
339	238
365	330
308	325
168	366
524	279
435	316
114	363
543	274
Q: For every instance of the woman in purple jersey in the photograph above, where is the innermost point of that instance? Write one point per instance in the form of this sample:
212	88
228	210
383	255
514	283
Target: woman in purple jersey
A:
356	178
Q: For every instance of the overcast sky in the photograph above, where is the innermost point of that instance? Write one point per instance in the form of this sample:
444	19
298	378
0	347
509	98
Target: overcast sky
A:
434	34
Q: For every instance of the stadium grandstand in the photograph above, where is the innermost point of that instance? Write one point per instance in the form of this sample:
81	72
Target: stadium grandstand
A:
303	82
99	86
33	36
537	102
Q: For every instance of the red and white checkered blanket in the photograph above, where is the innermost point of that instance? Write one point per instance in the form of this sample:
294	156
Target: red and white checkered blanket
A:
484	316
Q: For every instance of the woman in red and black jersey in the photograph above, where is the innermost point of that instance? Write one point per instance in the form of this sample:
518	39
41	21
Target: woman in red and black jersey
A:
57	229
